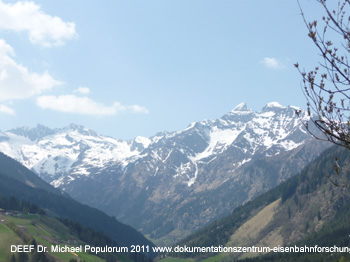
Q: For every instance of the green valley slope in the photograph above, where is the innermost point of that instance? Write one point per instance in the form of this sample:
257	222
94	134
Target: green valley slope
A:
46	231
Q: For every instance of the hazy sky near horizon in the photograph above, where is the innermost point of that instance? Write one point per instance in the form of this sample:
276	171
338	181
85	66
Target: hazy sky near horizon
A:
132	68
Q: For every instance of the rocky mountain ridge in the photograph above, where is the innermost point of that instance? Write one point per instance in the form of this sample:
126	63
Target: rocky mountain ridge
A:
173	182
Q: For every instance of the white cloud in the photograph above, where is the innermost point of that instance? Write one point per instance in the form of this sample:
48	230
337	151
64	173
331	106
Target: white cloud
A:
16	82
6	110
84	105
138	109
82	90
273	63
42	28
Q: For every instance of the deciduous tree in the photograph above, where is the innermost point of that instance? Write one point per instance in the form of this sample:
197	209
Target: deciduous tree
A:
327	86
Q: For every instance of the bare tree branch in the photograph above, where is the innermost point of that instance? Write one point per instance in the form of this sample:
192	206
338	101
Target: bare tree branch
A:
327	86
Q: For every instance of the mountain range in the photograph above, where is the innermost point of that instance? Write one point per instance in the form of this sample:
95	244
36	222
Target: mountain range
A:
172	183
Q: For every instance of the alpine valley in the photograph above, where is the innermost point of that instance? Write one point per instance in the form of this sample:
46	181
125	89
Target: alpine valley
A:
172	183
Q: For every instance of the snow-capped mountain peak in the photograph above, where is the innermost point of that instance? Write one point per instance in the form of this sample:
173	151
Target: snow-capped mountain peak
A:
64	154
242	107
274	105
33	133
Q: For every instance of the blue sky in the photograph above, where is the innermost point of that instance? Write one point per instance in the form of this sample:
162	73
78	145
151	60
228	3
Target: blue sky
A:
130	68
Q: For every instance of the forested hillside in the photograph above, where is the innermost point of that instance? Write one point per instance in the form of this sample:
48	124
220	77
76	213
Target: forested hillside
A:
306	209
58	205
23	223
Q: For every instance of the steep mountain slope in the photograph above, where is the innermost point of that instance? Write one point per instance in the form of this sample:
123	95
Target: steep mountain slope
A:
65	207
172	183
307	209
22	174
